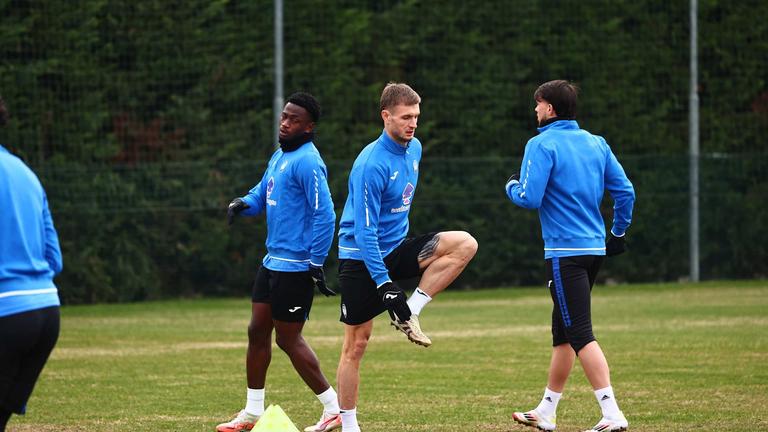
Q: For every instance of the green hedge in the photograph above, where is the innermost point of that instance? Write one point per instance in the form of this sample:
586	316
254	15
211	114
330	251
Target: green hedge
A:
145	118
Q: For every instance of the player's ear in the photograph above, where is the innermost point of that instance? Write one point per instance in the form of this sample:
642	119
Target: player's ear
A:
385	115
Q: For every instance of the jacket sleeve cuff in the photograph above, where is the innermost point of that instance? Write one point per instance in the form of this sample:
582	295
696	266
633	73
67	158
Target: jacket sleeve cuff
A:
613	232
253	207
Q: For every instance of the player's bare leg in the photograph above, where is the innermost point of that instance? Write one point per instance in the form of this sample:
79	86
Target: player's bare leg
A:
596	369
289	339
560	366
595	365
259	353
348	375
544	415
442	259
304	360
257	360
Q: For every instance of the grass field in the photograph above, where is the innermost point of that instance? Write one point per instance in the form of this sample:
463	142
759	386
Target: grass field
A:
683	358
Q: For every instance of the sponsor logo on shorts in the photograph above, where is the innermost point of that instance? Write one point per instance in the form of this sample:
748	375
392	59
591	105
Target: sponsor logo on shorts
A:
294	309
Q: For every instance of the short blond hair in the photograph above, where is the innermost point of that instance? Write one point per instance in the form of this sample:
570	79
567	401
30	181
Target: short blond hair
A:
398	94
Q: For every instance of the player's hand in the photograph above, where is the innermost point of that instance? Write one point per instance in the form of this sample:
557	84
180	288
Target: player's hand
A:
614	245
236	206
395	301
318	277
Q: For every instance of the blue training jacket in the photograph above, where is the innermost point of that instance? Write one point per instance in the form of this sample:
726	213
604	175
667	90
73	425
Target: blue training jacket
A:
29	246
300	217
382	184
564	174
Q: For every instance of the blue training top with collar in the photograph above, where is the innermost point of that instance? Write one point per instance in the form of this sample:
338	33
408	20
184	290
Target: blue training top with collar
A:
564	173
382	184
29	246
300	217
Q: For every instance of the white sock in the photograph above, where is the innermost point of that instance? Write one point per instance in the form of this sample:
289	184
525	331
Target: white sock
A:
349	420
548	405
418	300
608	402
329	400
255	402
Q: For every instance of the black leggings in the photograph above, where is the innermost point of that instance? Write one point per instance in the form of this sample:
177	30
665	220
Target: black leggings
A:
26	341
570	284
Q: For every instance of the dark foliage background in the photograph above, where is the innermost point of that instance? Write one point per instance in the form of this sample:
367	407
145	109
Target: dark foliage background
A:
143	119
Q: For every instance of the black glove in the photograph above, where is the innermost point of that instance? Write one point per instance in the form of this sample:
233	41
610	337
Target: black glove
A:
394	300
236	206
318	277
614	245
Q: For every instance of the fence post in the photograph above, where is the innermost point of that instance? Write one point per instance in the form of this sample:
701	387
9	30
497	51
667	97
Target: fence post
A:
693	137
278	106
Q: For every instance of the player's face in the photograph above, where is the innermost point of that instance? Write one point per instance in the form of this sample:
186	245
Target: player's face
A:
401	121
544	110
294	121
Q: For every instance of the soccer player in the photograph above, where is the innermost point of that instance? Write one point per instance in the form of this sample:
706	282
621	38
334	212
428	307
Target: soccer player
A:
29	301
374	252
300	224
564	174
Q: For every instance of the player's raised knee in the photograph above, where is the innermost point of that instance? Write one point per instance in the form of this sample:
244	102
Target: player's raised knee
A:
467	245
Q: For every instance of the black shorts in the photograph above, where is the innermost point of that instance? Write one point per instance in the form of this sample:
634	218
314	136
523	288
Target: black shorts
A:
26	341
570	281
359	299
289	293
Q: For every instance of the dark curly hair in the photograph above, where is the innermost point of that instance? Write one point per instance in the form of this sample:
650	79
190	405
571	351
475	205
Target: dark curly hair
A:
3	112
308	102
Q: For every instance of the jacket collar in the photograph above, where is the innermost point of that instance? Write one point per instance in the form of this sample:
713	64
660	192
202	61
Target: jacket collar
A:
560	125
392	145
